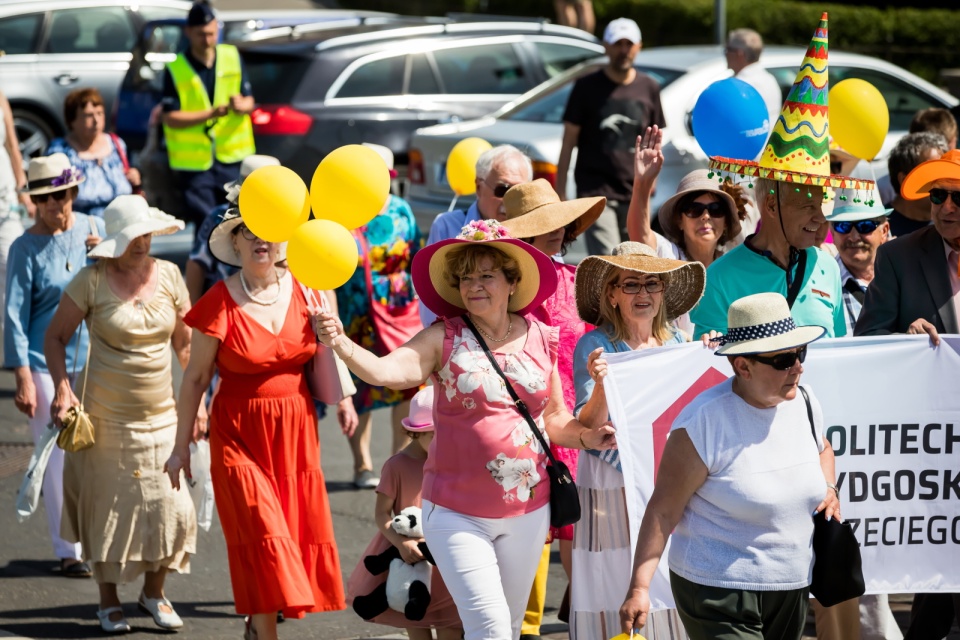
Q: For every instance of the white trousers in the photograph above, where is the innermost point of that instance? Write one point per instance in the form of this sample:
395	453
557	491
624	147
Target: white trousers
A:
488	565
53	476
10	229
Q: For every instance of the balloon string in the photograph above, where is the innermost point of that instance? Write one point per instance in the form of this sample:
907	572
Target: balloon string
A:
453	202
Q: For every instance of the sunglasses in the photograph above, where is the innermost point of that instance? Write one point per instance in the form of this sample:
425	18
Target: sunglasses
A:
939	196
696	209
500	190
246	233
633	287
59	196
863	227
782	361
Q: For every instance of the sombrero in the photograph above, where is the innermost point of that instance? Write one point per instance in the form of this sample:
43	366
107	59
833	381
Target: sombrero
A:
538	279
918	182
534	208
798	150
684	288
761	323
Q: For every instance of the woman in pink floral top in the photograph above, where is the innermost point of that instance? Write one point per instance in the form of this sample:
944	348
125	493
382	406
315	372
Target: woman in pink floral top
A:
486	491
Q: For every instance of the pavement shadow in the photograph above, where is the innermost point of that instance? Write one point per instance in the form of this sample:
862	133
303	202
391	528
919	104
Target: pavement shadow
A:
30	569
341	486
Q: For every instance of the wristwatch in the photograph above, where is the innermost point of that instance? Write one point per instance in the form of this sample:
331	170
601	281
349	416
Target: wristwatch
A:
835	489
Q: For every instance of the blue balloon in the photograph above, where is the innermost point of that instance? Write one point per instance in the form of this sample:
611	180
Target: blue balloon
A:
731	120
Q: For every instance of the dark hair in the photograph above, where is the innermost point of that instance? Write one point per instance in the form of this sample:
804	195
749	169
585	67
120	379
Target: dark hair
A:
77	100
910	151
685	202
568	237
935	120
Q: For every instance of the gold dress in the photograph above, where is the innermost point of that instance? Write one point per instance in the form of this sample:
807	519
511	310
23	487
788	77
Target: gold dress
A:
118	502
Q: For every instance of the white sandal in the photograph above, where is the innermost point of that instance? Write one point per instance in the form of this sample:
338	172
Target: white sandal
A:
163	619
112	626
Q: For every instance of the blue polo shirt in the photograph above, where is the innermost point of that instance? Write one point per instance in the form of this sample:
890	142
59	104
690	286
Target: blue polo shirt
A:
743	272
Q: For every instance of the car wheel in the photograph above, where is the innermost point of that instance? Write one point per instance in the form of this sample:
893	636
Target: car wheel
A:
34	132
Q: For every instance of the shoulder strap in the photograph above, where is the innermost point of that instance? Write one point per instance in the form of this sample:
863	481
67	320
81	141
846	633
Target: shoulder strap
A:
796	283
518	403
76	351
123	156
806	398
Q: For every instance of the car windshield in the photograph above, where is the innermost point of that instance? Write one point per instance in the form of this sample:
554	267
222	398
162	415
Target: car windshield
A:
549	106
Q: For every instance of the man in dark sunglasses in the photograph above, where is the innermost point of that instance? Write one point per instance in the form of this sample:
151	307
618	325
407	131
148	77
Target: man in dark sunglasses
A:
858	231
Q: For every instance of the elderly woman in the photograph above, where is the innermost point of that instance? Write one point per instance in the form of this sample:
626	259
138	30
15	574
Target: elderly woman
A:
632	297
535	213
485	495
117	503
101	156
41	263
256	329
737	482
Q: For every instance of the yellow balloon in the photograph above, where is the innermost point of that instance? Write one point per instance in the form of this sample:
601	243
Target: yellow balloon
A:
462	165
350	186
322	254
859	118
274	202
626	636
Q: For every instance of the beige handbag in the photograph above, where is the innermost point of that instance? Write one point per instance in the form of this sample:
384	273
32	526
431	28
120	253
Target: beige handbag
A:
77	432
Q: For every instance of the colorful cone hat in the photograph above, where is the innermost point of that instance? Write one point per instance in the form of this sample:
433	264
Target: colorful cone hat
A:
798	150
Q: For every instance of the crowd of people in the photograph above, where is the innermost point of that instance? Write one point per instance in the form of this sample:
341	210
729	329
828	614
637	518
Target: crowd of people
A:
493	364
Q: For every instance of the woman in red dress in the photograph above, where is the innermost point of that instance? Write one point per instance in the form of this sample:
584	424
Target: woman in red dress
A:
265	452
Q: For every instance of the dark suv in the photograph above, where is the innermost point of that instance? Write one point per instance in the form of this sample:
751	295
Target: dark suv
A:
378	81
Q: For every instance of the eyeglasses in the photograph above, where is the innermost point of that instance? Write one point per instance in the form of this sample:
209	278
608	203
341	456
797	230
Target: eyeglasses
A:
500	190
696	209
782	361
246	233
863	227
939	196
632	287
59	196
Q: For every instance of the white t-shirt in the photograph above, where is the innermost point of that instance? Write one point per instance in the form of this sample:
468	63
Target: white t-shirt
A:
767	86
750	526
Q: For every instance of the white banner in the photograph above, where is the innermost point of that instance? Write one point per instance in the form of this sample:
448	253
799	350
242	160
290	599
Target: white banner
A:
892	413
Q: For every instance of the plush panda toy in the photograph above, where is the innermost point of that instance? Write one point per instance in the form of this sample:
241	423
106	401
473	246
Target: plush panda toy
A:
407	588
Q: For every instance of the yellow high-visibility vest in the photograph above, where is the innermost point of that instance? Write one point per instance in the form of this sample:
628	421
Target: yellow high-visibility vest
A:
229	137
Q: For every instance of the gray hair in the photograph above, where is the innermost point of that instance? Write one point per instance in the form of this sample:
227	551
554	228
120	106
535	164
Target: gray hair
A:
762	187
748	41
910	152
502	153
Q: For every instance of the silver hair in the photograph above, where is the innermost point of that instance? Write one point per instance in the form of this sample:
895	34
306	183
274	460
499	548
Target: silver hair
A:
748	41
762	187
910	152
502	153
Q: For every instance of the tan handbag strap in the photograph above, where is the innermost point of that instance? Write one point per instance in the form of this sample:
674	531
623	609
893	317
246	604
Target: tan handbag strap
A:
76	349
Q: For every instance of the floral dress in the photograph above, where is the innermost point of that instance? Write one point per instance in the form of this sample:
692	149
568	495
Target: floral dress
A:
392	239
105	178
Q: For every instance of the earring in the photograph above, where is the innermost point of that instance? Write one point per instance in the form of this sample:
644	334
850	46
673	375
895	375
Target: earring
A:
614	305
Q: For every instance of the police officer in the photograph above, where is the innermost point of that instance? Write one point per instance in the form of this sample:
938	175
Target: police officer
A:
207	102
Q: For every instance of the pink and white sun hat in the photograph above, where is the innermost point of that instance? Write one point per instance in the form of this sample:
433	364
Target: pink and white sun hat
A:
421	412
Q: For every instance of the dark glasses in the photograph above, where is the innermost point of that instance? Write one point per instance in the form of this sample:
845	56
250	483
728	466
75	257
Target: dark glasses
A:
696	209
863	227
939	196
500	190
59	196
633	286
246	233
782	361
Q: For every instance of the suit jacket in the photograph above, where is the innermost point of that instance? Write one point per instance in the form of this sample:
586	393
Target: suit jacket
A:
910	281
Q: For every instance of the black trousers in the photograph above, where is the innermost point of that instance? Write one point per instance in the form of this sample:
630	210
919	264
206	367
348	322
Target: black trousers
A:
203	190
932	616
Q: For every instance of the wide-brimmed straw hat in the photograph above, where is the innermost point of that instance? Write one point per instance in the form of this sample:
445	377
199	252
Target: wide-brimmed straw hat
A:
128	218
538	277
697	181
421	411
534	208
684	280
918	182
221	240
761	323
248	166
47	174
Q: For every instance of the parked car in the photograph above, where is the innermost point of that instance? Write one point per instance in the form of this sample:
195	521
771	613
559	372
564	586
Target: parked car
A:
378	81
534	122
48	48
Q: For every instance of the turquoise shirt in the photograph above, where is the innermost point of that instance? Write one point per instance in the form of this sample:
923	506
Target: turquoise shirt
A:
743	272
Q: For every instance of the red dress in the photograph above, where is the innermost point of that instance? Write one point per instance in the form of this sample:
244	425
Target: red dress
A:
265	461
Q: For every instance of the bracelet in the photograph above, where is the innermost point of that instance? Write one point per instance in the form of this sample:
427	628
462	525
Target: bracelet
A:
835	489
584	444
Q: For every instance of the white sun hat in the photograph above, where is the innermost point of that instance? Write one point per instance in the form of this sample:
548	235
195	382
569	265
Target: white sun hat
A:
248	166
761	323
128	218
47	174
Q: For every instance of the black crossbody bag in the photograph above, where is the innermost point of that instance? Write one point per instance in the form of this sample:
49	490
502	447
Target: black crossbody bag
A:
564	501
837	568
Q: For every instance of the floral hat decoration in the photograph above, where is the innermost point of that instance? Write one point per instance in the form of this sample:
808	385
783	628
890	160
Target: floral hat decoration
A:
538	278
47	174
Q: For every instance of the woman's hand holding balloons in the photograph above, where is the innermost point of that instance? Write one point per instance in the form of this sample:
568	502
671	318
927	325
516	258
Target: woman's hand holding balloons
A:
329	329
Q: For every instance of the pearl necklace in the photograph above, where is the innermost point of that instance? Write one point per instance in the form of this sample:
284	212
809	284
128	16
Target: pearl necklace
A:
253	298
490	337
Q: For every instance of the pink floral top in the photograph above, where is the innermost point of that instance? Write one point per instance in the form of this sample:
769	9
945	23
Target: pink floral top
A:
484	460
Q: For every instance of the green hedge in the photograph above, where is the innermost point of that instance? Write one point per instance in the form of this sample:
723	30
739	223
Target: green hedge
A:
921	40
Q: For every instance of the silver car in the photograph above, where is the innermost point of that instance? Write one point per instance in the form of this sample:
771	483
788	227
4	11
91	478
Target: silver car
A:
534	122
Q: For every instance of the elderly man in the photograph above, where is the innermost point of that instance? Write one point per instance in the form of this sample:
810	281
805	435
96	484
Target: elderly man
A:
605	113
497	170
910	151
743	50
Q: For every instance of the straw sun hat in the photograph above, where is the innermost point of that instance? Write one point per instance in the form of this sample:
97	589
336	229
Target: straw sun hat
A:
51	173
538	280
761	323
684	280
221	240
693	182
128	218
534	208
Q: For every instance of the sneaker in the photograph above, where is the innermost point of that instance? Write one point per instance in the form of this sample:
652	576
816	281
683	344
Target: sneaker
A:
365	480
